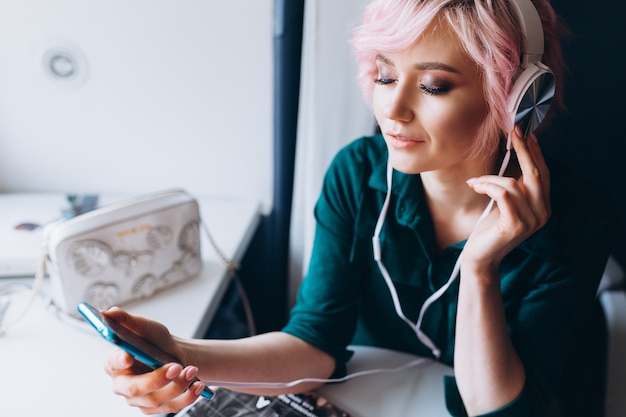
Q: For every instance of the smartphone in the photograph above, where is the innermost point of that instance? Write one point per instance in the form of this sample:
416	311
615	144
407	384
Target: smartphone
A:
138	347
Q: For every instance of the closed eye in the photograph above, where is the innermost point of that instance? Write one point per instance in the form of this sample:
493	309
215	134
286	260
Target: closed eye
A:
384	81
434	91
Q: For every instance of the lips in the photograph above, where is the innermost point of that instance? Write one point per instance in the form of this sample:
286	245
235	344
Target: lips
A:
398	140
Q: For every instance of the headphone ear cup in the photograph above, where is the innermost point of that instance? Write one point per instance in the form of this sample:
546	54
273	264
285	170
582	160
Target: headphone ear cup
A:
531	97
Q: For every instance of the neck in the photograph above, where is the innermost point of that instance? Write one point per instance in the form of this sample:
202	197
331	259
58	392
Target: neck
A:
449	189
454	206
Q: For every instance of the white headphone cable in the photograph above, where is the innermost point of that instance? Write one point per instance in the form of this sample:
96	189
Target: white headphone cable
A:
416	327
230	384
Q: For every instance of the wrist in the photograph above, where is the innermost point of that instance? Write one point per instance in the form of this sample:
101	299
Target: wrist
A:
185	349
484	273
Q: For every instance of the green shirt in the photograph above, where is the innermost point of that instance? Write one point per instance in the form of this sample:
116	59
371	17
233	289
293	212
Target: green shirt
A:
548	283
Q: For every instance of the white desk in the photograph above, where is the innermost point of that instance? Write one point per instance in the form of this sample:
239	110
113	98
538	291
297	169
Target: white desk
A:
51	367
414	391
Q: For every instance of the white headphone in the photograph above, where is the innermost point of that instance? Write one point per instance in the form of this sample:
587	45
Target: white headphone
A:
533	91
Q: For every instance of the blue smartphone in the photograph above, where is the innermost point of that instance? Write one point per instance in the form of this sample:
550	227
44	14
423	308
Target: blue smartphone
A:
135	345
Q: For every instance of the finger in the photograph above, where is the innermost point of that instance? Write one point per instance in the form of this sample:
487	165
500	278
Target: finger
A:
519	214
535	174
540	162
166	387
536	152
130	384
510	199
176	404
532	164
116	314
118	361
497	187
123	318
146	328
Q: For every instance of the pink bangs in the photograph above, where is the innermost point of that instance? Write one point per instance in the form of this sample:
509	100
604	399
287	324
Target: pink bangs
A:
388	26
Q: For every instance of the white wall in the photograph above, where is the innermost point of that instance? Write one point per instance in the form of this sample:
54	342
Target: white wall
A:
169	93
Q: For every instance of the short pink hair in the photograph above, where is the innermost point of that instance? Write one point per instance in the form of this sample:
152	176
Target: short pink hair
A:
488	31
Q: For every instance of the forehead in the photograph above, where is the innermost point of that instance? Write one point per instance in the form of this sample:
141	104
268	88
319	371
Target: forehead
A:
438	43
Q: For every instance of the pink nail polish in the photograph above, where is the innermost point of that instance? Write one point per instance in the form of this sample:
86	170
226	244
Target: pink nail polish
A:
173	371
190	373
198	388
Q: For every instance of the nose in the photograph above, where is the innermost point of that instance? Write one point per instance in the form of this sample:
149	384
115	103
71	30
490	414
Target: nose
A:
400	104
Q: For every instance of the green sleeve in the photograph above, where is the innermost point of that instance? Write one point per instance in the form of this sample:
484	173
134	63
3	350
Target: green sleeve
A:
325	314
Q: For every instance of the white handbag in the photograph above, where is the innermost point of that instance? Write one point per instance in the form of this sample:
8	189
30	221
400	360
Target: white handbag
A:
124	251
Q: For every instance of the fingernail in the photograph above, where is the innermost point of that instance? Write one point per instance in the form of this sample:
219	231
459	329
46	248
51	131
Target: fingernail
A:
471	181
518	131
198	388
122	359
173	371
190	373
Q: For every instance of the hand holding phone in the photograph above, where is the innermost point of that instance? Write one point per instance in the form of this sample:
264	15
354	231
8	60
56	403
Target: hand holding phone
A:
138	347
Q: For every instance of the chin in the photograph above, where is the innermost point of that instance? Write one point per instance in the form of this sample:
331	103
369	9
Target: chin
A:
406	165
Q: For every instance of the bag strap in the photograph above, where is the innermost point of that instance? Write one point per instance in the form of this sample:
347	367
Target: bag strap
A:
39	274
230	265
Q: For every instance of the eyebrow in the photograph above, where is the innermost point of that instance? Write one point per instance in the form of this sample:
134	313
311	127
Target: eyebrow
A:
430	65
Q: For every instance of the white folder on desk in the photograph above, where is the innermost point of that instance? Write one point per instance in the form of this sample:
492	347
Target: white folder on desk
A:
21	250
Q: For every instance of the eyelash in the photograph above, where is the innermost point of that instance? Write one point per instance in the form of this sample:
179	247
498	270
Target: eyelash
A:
432	91
384	81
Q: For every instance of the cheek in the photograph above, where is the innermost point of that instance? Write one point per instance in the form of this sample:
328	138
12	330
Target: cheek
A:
458	118
378	107
473	116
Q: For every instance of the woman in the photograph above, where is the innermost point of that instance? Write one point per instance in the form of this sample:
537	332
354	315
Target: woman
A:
438	73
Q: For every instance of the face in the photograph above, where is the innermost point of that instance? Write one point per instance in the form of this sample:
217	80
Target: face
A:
429	103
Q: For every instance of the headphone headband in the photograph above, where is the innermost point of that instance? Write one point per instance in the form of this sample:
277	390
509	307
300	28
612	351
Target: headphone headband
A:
532	29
